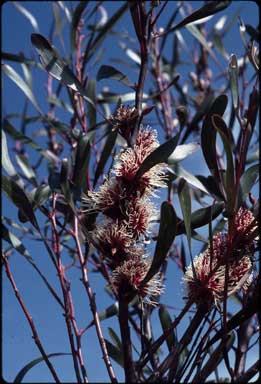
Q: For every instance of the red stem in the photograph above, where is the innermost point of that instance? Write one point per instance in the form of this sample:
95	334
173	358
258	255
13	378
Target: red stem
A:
30	320
91	297
65	290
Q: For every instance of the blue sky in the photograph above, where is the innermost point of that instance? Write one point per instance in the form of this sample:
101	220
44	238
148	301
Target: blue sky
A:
17	345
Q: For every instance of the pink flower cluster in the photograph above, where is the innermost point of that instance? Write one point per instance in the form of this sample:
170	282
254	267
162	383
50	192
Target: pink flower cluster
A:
127	212
206	279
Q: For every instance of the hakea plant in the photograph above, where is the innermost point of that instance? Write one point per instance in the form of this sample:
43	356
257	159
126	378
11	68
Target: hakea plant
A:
206	276
125	202
116	216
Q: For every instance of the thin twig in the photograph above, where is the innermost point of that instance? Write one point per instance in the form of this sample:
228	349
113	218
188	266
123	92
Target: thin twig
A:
91	297
65	289
30	321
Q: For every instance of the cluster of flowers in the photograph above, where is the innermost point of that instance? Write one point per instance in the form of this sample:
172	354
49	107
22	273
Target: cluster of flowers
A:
231	257
127	211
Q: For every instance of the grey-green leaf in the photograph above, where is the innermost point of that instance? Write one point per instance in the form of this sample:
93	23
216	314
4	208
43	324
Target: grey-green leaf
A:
26	168
27	14
179	171
247	181
114	352
65	185
208	135
17	79
16	243
115	338
185	204
159	155
181	152
106	152
208	9
17	195
111	311
167	232
40	195
225	134
81	163
202	217
233	75
6	161
166	322
10	129
21	374
109	72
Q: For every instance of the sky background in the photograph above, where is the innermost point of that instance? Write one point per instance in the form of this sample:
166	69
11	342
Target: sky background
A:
18	347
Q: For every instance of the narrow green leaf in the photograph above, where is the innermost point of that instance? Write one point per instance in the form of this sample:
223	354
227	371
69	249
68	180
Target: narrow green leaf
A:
251	117
208	135
114	353
218	43
81	163
202	109
16	243
103	20
27	14
66	11
225	134
201	39
109	72
233	75
17	195
111	311
58	22
6	161
21	228
10	129
115	338
253	32
159	155
56	66
91	93
202	217
191	179
181	152
212	186
167	232
166	322
21	374
208	9
185	204
247	181
40	195
105	154
110	97
19	59
16	78
130	53
65	186
106	28
26	168
182	358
